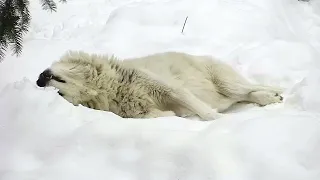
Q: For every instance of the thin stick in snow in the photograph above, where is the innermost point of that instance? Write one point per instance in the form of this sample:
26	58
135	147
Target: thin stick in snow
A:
184	24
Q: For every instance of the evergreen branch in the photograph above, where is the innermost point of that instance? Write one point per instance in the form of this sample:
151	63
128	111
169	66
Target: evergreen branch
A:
24	14
2	50
8	22
16	40
49	5
14	23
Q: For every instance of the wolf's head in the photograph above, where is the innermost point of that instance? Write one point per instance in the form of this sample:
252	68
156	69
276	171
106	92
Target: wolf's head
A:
77	76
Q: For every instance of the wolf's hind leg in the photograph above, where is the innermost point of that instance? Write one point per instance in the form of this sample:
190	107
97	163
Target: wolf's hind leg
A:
168	93
264	97
233	85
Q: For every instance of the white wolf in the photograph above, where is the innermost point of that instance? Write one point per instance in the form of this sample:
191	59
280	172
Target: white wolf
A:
162	84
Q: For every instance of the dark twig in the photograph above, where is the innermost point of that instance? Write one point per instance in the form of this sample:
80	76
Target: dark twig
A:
184	24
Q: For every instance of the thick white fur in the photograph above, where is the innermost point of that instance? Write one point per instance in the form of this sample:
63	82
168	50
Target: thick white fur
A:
162	84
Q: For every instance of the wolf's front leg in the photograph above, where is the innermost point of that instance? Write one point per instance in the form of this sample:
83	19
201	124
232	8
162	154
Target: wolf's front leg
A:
186	99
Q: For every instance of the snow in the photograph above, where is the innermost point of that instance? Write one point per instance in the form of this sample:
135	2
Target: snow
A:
276	42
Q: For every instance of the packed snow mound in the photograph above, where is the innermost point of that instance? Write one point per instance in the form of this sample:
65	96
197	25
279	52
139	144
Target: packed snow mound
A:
42	136
304	94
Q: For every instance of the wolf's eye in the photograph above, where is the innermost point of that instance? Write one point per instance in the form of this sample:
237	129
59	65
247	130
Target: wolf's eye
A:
58	79
47	74
60	93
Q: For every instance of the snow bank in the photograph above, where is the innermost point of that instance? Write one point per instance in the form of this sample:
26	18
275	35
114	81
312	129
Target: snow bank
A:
273	42
44	137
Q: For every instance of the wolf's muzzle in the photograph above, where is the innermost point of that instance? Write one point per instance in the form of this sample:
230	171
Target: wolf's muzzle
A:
44	78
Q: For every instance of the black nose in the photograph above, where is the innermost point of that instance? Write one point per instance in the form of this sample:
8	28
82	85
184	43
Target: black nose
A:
44	78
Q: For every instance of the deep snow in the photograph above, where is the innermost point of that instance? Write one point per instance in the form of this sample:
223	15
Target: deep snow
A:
276	42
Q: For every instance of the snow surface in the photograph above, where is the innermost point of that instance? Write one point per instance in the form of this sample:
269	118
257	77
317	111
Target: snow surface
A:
276	42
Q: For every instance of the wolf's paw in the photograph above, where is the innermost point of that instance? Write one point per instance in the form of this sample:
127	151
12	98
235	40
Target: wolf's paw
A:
167	113
267	97
212	115
158	113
